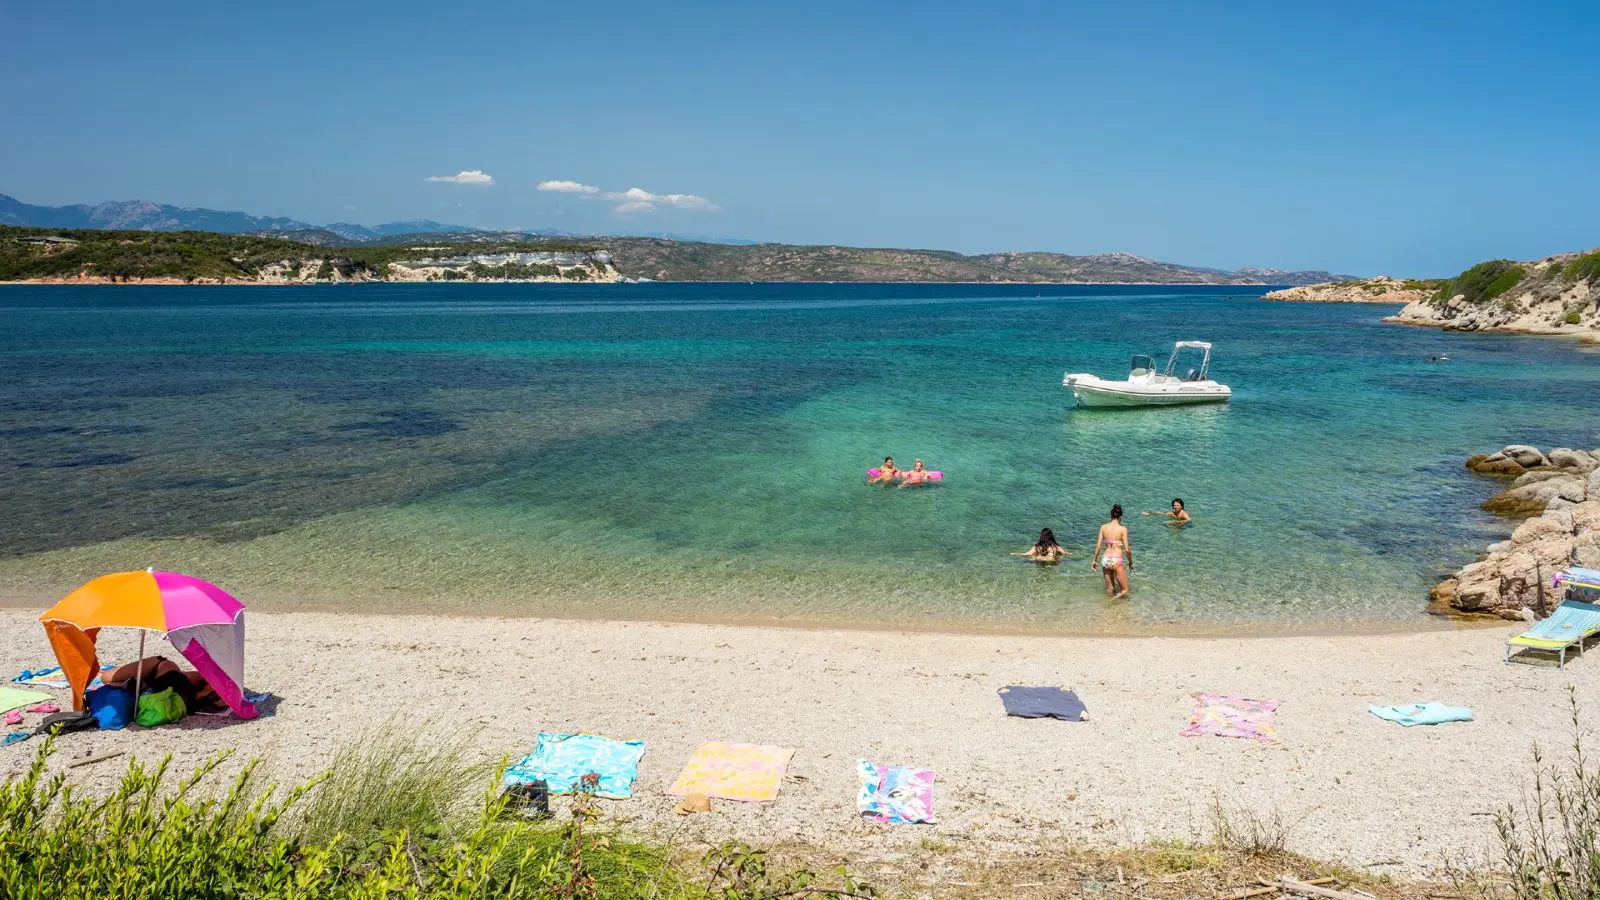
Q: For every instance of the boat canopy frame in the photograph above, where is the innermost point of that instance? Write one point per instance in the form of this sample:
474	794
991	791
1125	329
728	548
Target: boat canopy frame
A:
1205	363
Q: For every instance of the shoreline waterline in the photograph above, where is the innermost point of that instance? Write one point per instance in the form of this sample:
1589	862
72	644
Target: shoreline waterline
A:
1424	623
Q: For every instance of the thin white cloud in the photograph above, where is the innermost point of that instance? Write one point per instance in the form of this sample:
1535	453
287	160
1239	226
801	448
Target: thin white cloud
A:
466	176
568	187
635	200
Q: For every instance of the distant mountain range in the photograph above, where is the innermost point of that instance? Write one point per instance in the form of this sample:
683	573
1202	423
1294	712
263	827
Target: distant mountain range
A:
672	257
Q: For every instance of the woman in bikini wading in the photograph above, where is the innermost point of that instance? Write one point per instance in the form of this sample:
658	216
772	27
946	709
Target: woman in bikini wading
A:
1112	555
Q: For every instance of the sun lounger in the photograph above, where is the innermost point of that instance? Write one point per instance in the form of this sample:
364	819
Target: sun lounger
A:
1571	624
1579	577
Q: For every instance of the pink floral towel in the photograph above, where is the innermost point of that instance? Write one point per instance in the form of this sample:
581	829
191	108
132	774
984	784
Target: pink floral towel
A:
1227	715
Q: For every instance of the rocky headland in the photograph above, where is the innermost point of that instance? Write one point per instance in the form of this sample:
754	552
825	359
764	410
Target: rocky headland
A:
1381	289
1559	294
1557	495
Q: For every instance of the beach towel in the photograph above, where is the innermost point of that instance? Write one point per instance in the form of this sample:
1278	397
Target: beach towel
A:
895	795
1430	713
16	698
561	761
1227	715
750	773
51	676
1043	702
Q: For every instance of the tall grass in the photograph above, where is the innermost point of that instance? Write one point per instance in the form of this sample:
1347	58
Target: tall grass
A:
1550	842
395	779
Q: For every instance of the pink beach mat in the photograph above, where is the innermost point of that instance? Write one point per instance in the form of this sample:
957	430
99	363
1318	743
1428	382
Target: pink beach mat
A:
1229	715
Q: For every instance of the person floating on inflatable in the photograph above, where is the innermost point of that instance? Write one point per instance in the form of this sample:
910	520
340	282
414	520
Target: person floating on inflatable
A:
917	476
884	475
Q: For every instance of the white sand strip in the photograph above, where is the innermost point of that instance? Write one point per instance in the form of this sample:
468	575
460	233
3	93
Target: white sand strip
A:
1368	791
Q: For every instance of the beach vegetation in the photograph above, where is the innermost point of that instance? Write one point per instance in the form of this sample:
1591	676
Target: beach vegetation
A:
396	817
1549	842
1584	268
1248	831
1483	282
1574	317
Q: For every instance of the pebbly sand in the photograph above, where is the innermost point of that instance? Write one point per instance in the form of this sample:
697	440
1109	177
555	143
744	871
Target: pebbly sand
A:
1365	792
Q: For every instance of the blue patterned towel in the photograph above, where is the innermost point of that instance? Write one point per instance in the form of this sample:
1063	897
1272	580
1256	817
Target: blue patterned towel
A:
561	760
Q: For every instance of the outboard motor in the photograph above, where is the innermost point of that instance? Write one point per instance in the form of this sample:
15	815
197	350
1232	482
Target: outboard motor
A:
1194	375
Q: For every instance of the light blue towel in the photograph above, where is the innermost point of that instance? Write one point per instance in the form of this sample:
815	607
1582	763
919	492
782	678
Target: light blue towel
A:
1430	713
561	760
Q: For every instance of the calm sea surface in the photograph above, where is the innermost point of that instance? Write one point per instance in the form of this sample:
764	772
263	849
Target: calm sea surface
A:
697	451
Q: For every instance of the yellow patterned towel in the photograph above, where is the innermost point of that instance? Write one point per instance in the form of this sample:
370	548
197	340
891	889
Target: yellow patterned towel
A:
746	772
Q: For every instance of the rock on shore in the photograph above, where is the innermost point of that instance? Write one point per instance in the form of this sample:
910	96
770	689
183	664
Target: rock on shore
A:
1558	496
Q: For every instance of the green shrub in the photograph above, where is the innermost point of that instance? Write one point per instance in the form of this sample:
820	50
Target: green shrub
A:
1585	267
1484	281
1574	317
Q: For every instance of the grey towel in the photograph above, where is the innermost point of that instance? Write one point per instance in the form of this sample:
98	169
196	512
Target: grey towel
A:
1043	702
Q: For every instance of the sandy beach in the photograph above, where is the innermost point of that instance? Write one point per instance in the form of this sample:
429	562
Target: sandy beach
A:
1365	792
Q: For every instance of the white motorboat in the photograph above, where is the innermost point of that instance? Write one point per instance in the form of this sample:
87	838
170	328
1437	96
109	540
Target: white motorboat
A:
1145	386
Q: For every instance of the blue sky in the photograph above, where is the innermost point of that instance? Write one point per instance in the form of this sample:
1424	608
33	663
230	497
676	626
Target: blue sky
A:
1404	138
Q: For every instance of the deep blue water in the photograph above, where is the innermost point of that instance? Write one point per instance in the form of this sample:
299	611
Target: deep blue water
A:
697	451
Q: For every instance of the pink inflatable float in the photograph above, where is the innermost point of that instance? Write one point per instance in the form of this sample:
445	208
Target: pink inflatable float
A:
901	474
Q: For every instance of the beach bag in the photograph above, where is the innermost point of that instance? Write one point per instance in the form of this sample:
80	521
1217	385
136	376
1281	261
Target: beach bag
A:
112	707
56	723
161	708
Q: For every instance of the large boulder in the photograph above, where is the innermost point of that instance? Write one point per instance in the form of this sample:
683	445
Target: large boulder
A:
1594	484
1530	499
1586	550
1586	515
1538	475
1497	464
1538	527
1578	460
1525	456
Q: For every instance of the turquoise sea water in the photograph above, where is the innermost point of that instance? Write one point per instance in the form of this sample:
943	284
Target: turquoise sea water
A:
697	451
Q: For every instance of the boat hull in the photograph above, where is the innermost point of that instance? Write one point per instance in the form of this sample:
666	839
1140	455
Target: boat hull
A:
1112	396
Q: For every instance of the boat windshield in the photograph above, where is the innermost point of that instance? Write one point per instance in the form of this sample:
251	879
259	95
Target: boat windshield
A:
1141	365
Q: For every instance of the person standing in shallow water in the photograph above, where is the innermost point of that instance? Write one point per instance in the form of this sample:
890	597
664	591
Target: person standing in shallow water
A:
1113	557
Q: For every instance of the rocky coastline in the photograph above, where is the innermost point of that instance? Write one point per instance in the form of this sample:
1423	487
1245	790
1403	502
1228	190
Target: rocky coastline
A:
1381	289
1557	495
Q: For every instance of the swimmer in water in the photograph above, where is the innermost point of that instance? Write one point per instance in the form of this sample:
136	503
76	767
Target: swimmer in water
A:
1046	552
1113	557
1179	515
885	474
917	475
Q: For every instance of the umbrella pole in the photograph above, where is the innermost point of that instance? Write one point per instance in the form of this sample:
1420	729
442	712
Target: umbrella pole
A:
138	672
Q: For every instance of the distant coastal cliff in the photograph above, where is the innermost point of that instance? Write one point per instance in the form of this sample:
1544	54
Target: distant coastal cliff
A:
41	256
1556	295
278	256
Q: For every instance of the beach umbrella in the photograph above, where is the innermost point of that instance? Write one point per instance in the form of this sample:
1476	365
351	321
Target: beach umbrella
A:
204	622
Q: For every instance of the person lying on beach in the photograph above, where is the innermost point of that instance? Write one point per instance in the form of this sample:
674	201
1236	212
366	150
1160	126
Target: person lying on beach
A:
157	673
885	474
917	475
1046	552
1113	557
1179	515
